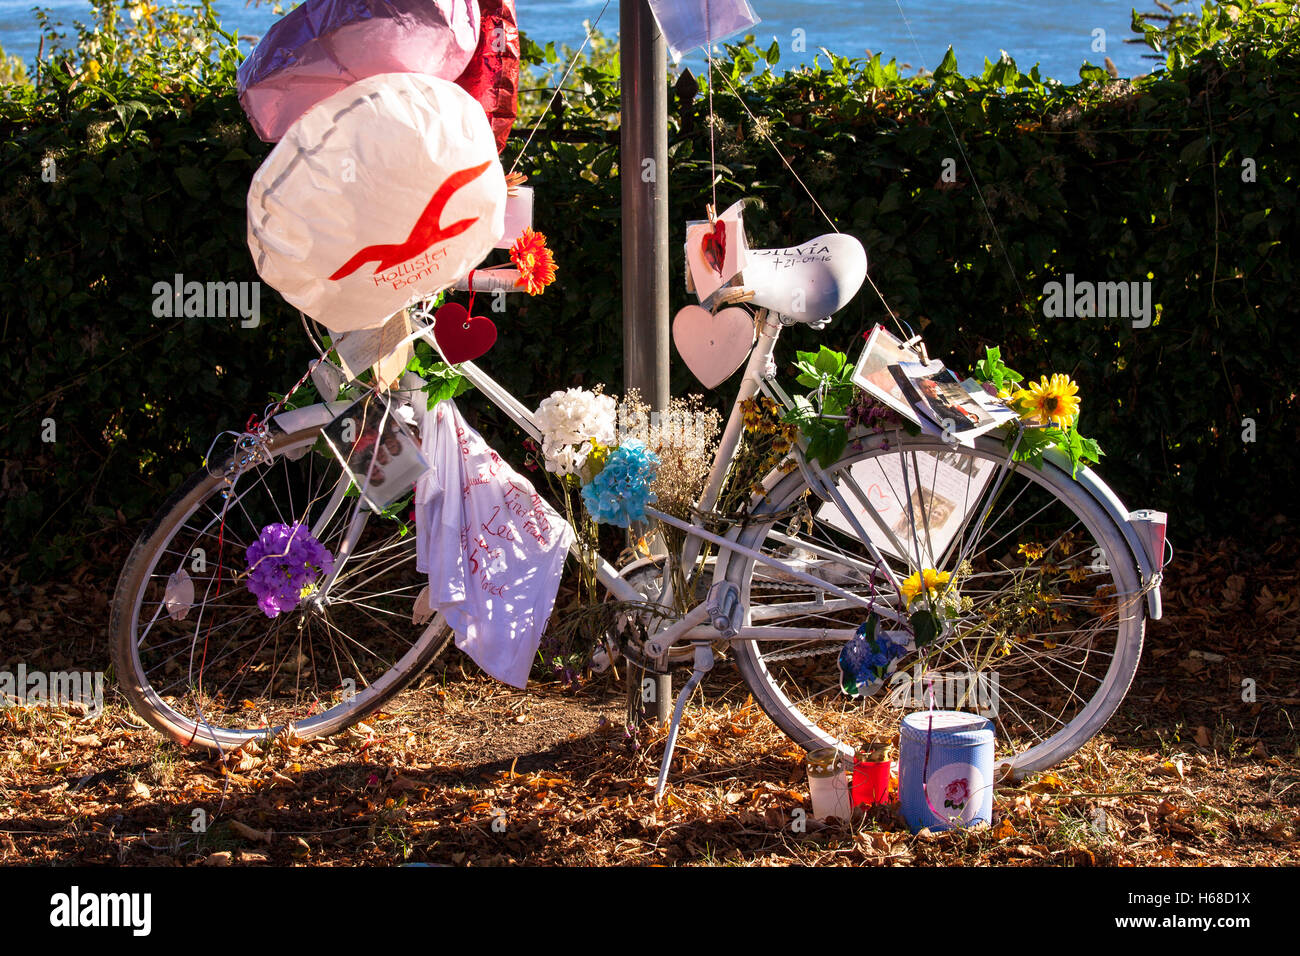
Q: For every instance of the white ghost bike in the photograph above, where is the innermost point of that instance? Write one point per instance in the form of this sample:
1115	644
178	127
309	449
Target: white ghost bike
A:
1057	578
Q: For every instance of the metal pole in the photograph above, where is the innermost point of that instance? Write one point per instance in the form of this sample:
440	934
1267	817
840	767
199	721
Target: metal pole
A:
643	167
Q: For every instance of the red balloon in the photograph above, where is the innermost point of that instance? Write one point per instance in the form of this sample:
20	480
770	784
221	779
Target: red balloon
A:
492	76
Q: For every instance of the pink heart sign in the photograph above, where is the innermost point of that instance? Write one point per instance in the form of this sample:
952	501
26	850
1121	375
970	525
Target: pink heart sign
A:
713	346
462	337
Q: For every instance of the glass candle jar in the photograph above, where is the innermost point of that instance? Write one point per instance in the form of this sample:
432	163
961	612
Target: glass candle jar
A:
828	784
870	778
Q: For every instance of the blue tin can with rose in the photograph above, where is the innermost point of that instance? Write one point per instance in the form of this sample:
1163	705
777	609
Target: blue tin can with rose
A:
953	788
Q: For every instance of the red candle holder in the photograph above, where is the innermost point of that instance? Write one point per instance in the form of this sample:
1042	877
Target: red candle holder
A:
870	782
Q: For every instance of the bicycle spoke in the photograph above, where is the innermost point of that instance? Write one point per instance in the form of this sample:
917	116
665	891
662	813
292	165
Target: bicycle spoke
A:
1044	634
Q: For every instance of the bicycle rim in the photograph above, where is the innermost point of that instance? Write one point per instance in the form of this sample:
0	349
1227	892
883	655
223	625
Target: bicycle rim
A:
203	663
1046	645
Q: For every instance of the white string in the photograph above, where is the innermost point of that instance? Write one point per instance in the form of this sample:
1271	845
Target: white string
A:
713	161
777	149
943	108
559	86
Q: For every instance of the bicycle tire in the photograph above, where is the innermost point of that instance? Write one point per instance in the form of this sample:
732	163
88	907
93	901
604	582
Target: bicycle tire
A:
140	575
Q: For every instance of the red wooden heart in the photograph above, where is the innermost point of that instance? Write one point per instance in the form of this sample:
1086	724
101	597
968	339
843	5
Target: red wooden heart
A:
714	246
462	337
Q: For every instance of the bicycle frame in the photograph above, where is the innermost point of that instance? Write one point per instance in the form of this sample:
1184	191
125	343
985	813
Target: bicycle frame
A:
758	378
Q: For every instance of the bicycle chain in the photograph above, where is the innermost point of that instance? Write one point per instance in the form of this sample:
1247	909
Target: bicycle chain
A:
791	655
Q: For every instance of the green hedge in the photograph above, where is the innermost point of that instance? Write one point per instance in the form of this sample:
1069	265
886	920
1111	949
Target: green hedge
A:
1105	180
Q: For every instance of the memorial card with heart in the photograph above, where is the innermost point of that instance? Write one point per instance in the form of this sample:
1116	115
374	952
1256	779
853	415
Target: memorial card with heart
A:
715	251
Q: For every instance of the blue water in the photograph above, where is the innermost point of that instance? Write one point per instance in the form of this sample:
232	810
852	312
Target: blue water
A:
1057	34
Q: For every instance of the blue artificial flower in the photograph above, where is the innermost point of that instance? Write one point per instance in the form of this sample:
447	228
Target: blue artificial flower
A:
865	660
283	563
620	492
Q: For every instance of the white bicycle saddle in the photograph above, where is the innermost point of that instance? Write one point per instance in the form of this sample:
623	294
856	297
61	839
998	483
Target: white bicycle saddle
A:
808	282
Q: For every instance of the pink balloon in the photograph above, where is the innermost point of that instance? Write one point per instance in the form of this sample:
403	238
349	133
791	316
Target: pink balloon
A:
323	46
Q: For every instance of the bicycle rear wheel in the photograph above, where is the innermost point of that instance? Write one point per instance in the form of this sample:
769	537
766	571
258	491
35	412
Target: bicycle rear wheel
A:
1051	627
203	663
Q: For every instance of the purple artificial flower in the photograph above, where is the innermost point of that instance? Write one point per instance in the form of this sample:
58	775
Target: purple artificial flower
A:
283	563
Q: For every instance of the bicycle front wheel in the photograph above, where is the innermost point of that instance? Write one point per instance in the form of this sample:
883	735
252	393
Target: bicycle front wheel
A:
204	664
1047	610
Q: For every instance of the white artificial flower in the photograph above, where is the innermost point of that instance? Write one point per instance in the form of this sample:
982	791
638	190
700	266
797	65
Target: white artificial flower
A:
576	415
565	459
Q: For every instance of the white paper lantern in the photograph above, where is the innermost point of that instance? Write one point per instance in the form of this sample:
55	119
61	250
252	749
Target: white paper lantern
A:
379	195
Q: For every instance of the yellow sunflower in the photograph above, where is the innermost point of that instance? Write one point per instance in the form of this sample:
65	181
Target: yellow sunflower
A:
1051	401
929	580
1031	552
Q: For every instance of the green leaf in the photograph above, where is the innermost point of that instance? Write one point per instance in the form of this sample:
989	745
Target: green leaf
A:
194	181
926	626
1033	442
816	444
1093	74
444	381
992	370
837	439
440	390
947	66
1193	152
829	362
803	409
806	358
874	73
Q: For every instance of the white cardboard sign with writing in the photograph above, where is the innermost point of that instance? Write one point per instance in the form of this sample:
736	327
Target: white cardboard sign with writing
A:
492	548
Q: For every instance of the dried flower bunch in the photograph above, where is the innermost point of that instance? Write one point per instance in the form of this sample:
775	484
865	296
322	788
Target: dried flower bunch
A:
684	437
765	445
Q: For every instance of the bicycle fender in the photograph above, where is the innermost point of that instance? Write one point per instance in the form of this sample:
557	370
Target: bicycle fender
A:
1109	501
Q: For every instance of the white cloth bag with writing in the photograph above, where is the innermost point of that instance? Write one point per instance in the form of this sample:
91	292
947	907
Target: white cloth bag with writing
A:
493	549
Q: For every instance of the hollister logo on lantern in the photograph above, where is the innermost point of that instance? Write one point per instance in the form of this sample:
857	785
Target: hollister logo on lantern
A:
426	231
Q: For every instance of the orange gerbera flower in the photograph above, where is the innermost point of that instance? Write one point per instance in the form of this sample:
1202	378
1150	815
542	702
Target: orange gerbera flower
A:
534	261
